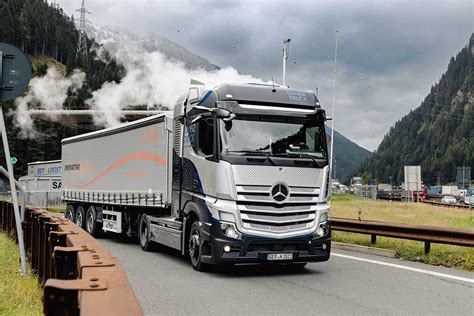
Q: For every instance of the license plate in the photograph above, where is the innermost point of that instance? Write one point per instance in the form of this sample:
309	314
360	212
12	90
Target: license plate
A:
279	256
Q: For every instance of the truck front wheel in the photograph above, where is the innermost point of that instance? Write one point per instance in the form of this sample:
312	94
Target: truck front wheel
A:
194	247
144	234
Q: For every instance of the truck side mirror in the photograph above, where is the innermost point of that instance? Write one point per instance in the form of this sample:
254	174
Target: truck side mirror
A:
200	117
193	95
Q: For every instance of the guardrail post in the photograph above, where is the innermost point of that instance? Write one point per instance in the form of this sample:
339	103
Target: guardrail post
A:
27	230
60	297
373	239
42	246
2	204
35	236
3	215
54	302
427	247
55	239
49	227
10	220
65	262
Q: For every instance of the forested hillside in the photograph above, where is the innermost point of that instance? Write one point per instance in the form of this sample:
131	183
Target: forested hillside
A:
438	135
46	34
49	37
348	155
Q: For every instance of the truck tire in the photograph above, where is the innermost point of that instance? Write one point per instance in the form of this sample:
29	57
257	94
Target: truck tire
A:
194	247
80	216
144	234
70	213
91	225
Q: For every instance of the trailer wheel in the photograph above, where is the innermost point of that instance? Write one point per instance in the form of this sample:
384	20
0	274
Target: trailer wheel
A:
91	224
194	247
70	213
144	234
80	217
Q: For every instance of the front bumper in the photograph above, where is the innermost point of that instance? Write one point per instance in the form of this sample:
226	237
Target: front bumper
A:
251	249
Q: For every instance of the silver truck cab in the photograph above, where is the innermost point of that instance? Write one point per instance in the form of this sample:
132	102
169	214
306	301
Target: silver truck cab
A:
250	168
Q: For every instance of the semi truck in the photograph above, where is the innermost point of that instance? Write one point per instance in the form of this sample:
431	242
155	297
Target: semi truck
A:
234	174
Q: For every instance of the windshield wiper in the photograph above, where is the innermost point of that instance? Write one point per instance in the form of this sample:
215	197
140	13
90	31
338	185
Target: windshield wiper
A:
254	152
301	155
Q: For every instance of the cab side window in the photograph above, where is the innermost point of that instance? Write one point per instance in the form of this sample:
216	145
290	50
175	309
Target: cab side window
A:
205	136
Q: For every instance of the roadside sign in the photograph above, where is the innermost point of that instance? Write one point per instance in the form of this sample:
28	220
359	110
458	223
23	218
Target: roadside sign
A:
15	72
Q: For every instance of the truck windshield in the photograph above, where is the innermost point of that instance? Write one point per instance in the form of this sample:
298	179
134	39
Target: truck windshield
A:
281	136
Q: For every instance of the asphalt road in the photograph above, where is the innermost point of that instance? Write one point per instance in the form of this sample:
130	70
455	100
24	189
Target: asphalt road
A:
349	283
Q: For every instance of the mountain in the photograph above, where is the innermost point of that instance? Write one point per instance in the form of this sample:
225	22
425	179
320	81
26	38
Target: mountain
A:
348	155
152	43
438	135
49	37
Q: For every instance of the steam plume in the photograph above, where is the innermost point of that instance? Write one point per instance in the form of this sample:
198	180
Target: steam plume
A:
49	92
151	79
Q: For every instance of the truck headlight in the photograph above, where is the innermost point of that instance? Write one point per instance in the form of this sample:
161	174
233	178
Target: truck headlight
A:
230	231
320	231
323	217
323	228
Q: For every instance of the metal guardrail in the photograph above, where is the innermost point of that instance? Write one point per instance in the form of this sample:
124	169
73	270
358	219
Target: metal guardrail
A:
79	276
427	234
436	203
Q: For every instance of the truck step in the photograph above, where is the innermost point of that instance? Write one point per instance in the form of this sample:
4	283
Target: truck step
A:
169	222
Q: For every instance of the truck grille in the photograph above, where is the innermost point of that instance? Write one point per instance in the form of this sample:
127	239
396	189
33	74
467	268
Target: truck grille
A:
259	211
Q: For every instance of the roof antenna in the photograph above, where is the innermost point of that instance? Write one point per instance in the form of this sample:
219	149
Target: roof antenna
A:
273	84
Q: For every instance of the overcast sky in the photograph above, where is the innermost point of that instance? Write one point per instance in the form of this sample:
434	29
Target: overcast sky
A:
390	52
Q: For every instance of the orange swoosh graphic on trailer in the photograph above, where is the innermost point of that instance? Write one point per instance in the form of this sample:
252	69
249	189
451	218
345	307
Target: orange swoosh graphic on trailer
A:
135	156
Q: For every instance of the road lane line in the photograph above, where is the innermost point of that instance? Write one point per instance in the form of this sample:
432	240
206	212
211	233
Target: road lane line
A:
442	275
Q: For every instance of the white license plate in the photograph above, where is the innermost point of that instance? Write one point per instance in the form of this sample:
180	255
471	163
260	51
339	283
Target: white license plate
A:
279	256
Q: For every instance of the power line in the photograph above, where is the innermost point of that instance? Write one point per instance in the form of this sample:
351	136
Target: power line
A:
439	114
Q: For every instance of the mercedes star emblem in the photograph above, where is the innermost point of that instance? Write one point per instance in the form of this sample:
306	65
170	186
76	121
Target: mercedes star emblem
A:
280	192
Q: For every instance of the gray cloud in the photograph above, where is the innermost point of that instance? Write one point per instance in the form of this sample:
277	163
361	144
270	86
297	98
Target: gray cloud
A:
400	48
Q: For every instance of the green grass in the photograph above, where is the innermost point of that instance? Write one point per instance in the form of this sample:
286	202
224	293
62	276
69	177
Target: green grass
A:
348	206
36	61
57	209
19	295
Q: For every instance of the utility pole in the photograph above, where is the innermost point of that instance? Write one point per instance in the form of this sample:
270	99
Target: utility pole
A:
82	41
333	107
286	53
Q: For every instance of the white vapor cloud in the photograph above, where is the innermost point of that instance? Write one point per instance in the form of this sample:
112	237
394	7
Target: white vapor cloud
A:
151	79
48	92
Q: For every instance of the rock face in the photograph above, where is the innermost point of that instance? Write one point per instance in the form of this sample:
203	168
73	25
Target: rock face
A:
151	43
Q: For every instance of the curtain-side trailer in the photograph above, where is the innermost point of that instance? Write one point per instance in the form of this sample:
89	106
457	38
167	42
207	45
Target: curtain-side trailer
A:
236	174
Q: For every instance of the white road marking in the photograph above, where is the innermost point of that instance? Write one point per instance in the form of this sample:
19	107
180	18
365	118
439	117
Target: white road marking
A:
437	274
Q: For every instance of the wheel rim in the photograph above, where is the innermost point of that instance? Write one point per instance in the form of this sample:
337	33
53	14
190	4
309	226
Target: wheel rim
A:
90	221
79	219
143	233
69	214
194	244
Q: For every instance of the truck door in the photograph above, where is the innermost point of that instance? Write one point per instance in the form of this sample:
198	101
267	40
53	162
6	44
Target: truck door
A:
199	163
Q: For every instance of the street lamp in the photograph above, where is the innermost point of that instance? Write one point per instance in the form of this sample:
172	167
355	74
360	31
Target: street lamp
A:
286	52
